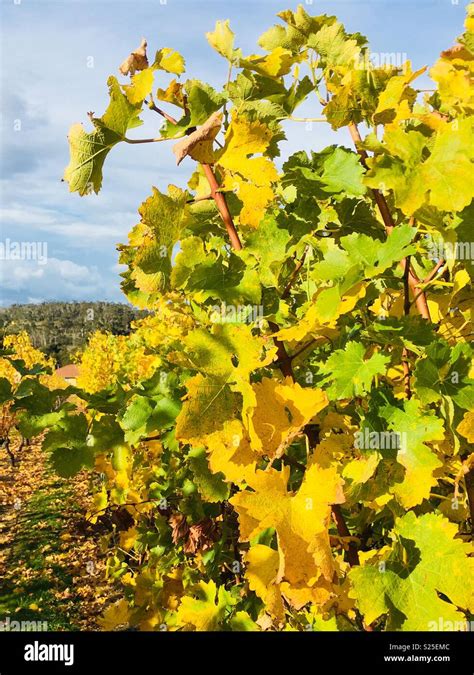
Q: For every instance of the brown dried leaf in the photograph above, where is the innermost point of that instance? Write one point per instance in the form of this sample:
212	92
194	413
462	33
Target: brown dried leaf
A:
457	51
137	60
179	527
201	536
198	145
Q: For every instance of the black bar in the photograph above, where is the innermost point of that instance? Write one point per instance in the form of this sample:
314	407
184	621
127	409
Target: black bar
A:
314	652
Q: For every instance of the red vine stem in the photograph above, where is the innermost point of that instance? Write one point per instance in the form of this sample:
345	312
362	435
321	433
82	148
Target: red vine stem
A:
221	204
214	186
284	361
161	112
434	271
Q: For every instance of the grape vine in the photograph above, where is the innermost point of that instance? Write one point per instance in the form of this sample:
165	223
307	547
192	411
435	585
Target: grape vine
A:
285	439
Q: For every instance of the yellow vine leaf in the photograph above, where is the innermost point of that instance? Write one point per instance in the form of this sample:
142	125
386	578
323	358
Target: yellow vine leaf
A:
275	64
208	404
222	39
452	311
322	315
128	538
229	452
172	94
301	520
141	86
169	60
466	427
202	611
115	615
151	620
396	100
299	595
361	469
332	448
262	566
388	303
454	73
282	410
250	177
227	354
255	199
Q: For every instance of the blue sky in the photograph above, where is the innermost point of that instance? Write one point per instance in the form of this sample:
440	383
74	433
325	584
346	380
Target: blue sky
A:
47	84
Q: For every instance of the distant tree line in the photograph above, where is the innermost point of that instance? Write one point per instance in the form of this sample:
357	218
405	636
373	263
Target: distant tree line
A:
61	328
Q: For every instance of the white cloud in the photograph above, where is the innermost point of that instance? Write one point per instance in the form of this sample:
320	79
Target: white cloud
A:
58	278
21	216
114	229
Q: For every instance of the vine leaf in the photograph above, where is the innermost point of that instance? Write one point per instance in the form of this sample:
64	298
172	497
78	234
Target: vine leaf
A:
262	568
151	241
335	46
88	150
169	60
444	372
282	410
222	40
137	60
350	373
424	561
210	485
198	145
140	87
251	178
230	453
438	180
300	519
466	427
414	428
205	608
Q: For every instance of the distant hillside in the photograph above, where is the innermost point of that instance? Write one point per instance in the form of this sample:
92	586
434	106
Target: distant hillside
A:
60	328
